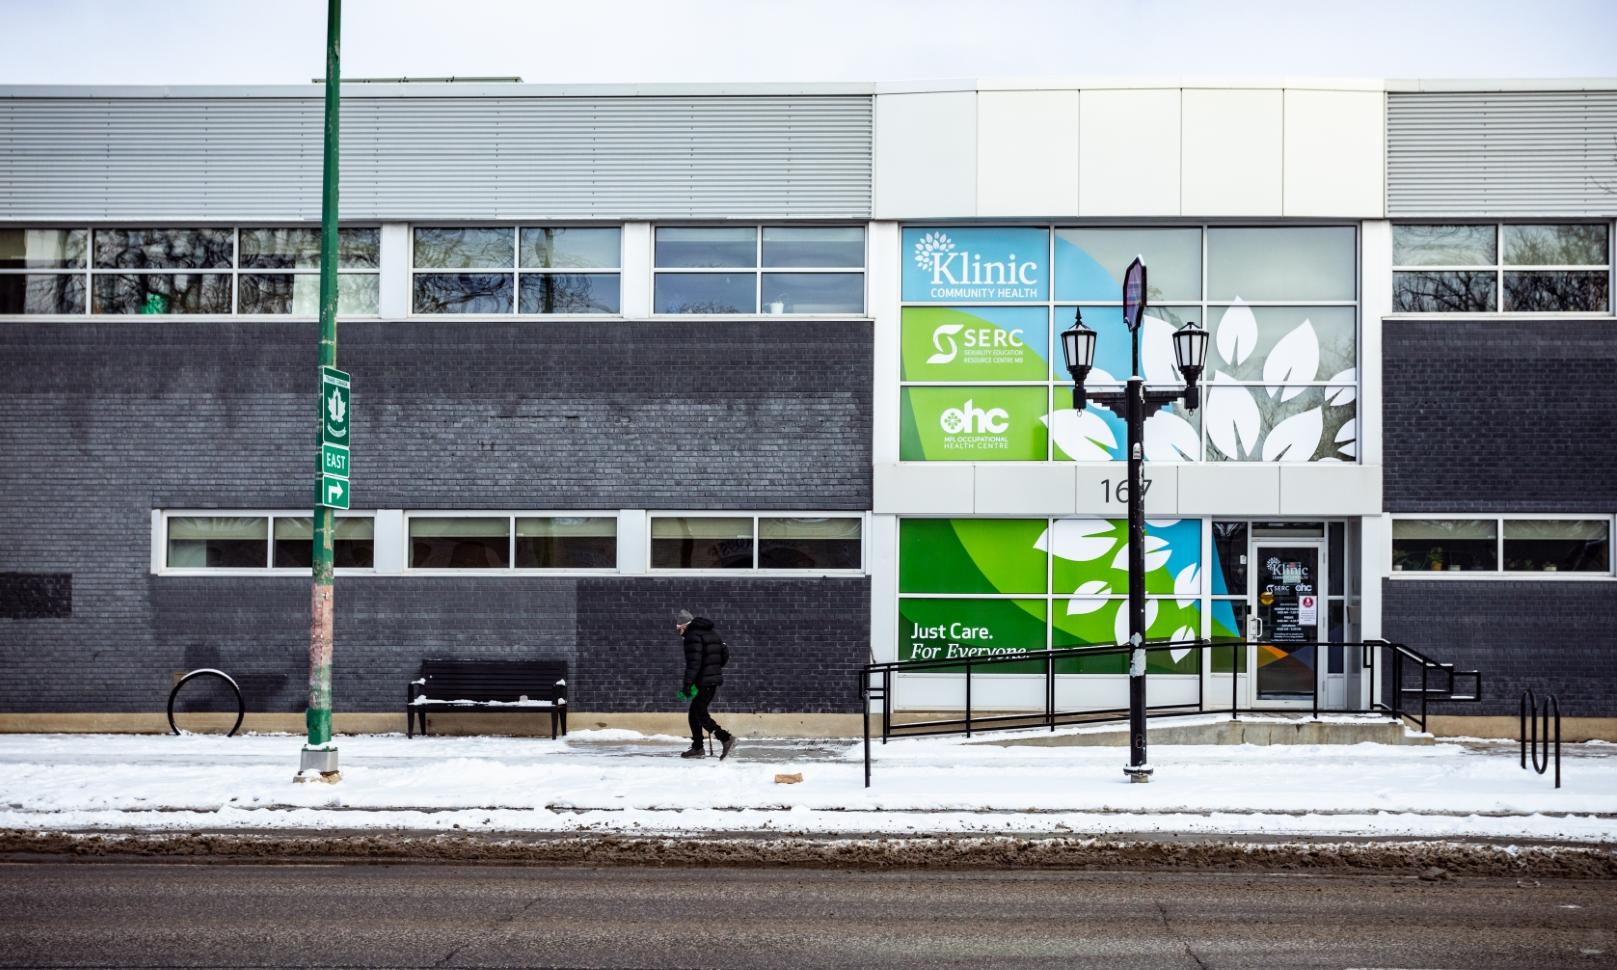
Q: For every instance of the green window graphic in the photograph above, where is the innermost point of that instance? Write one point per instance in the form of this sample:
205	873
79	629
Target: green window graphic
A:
973	424
1061	581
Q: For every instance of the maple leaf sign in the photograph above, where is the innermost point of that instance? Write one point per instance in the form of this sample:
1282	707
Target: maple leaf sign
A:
335	407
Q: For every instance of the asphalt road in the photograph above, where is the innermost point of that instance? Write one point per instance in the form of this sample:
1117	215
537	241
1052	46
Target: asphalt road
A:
218	915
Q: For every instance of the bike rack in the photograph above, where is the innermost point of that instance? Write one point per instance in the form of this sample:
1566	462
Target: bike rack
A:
1528	725
241	708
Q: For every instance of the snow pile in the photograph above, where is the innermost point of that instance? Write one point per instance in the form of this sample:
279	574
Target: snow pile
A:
620	781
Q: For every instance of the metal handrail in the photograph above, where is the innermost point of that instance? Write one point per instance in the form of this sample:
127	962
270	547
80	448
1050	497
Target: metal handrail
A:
973	722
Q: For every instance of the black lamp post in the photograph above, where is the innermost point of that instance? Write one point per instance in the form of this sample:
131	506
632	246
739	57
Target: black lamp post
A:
1136	403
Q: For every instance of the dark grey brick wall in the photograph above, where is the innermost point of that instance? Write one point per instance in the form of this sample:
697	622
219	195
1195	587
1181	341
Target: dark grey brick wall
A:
102	422
1500	416
1547	636
794	645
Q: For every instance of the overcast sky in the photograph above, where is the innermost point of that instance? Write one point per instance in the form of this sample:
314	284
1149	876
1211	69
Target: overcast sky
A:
596	41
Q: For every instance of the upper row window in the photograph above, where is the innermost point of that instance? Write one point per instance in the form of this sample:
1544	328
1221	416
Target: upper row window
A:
175	270
1515	268
517	269
751	269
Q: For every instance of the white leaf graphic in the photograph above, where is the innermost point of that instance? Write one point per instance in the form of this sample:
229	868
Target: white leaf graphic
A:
1183	633
1187	585
1295	438
1294	360
1169	437
1156	351
1120	627
1340	396
1232	417
1237	333
1078	540
1347	437
1156	554
1082	435
1095	587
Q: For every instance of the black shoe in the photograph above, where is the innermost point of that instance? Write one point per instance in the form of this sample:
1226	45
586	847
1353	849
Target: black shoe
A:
729	744
693	753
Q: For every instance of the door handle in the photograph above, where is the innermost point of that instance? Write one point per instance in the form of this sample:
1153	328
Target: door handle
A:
1257	634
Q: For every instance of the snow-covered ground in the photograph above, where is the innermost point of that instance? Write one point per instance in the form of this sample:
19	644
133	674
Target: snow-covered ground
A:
619	781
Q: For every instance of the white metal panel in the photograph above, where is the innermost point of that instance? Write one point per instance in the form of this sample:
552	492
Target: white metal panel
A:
913	488
1502	153
926	155
1099	492
1024	489
438	157
883	259
1027	153
1232	148
1330	489
1229	488
390	544
881	561
1129	153
1335	153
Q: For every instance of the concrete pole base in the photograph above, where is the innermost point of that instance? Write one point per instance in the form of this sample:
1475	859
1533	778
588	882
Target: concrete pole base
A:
1138	776
318	764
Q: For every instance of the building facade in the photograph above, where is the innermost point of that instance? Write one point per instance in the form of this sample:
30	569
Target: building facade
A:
787	356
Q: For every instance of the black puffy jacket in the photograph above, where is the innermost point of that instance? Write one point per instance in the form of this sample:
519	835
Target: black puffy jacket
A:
704	654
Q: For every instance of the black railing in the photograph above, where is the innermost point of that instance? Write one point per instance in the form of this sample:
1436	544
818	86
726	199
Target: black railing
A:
1437	683
1531	712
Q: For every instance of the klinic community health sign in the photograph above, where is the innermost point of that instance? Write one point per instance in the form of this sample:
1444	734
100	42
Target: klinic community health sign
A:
950	265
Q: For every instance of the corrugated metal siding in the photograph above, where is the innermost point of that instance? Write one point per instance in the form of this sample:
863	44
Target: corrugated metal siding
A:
439	157
1502	153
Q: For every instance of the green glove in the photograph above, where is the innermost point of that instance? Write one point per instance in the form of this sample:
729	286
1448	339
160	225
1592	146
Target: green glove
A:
687	693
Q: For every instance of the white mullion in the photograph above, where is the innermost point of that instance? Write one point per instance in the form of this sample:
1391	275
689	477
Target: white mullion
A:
758	269
235	287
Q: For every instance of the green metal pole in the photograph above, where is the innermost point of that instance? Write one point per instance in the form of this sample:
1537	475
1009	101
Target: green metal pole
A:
320	619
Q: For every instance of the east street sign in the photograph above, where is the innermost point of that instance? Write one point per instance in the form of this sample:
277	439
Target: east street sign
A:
334	460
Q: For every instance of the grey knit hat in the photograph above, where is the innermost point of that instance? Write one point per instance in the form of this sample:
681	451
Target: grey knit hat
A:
683	617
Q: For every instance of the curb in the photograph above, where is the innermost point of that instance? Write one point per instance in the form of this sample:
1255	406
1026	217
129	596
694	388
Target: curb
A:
1429	860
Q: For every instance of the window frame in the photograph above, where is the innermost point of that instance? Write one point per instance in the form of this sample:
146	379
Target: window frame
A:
758	270
863	518
89	271
515	271
160	551
510	516
1499	268
1499	519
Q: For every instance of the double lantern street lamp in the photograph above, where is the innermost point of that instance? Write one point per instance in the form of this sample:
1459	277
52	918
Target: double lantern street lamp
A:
1136	403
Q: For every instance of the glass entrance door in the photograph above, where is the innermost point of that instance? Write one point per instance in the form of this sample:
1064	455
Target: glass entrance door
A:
1288	608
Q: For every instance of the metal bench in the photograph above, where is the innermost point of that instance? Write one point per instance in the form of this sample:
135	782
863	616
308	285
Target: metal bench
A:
506	686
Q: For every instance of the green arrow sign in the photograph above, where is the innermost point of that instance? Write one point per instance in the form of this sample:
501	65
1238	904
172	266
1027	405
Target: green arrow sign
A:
331	491
334	410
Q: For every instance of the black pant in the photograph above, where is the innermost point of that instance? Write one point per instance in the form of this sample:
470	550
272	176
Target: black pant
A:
701	719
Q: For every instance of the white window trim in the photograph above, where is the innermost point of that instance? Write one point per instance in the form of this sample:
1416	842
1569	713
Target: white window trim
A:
1496	575
755	570
510	515
758	269
89	271
161	517
515	270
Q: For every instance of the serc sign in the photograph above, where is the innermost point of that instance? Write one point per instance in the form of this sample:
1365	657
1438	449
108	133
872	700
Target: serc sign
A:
953	265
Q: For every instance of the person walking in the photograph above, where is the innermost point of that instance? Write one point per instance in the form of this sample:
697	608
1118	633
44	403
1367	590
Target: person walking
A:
705	657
